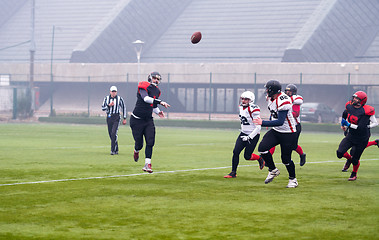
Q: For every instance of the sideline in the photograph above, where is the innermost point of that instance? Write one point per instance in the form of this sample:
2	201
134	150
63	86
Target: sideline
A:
139	174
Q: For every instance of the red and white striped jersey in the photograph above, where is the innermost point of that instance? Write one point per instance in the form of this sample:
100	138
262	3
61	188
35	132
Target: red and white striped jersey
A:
281	103
246	116
297	100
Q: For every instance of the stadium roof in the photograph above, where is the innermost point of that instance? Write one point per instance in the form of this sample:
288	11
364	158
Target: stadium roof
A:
99	31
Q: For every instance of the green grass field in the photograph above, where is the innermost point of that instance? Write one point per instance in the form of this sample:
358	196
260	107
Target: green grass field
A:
59	182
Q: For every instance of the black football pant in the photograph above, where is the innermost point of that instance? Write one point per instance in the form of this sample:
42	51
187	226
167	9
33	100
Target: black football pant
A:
143	128
298	131
113	122
239	146
287	143
356	149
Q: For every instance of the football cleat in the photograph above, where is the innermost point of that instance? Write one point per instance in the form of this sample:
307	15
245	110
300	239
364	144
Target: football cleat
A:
352	177
377	142
261	163
232	174
346	166
292	183
136	156
271	175
302	159
147	168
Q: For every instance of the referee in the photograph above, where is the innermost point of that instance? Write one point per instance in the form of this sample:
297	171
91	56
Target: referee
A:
112	104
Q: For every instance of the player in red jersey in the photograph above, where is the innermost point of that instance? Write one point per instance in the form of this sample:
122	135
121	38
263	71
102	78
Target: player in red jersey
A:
356	119
141	121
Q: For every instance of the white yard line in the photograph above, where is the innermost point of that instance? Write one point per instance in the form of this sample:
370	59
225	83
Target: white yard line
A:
139	174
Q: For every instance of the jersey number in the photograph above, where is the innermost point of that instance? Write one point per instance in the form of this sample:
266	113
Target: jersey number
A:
274	114
244	120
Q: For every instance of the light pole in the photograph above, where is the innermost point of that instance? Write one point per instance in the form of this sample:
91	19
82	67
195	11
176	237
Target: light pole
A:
138	48
32	48
51	73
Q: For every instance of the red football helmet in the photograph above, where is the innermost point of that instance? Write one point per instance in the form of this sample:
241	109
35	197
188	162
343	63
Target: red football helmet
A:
362	96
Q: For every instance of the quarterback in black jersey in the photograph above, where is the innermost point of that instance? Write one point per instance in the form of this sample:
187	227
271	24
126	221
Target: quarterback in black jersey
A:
356	121
141	121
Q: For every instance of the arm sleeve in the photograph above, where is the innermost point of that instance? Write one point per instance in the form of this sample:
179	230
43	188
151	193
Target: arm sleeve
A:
156	110
104	107
344	114
373	122
279	122
256	131
123	107
296	110
147	98
256	114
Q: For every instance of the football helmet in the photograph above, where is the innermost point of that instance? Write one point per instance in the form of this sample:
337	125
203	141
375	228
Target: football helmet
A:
156	76
362	96
292	89
273	87
248	95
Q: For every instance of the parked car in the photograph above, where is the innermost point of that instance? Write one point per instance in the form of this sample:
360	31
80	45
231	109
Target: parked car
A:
318	113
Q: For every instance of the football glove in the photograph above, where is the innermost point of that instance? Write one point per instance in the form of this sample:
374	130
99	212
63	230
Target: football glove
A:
345	123
245	138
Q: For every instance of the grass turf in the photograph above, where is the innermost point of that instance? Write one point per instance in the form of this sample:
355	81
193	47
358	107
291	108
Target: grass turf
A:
187	196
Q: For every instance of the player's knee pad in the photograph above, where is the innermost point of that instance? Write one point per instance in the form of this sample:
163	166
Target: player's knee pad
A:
339	154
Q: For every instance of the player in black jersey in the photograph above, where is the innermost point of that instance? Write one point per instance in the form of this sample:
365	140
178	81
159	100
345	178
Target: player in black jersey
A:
141	121
356	119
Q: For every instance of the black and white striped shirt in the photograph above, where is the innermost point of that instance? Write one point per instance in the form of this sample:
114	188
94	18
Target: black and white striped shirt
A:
115	109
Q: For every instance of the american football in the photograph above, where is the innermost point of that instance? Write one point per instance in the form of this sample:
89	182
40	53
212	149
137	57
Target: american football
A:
196	37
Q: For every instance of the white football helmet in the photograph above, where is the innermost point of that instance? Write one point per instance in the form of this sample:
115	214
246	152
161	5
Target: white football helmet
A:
249	95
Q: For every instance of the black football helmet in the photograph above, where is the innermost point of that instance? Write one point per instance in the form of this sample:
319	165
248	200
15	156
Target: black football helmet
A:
292	89
273	87
154	75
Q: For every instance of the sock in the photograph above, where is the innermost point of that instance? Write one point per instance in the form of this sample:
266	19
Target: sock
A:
355	167
299	150
147	161
254	157
269	161
272	150
371	143
291	170
136	151
347	156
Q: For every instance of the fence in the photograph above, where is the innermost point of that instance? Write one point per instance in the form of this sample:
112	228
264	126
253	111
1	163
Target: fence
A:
207	94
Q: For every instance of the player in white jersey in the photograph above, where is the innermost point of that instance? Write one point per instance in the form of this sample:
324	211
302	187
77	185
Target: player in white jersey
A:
283	132
249	135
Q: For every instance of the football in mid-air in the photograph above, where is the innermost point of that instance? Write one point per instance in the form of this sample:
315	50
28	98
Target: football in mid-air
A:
196	37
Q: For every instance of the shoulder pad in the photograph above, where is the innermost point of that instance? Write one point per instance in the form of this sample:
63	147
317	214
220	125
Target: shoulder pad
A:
348	103
254	108
297	99
283	102
369	110
143	85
